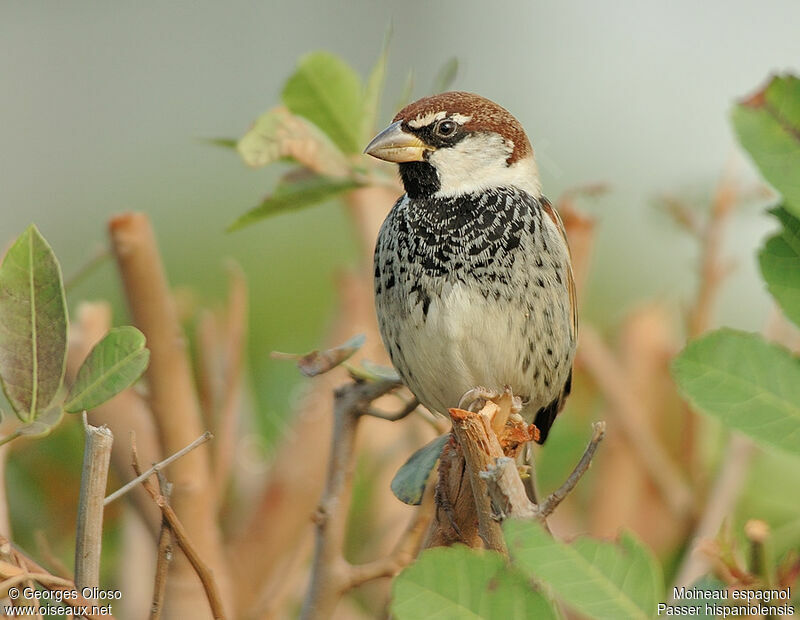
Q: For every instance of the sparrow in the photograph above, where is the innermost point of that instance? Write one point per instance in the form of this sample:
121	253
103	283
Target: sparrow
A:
473	280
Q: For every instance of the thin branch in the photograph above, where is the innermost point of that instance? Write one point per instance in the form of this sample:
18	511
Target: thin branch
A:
712	269
407	410
89	537
157	467
403	553
557	496
331	574
99	256
601	363
45	551
164	556
181	537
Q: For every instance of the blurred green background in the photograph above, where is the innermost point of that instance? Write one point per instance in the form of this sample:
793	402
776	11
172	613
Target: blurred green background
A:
104	105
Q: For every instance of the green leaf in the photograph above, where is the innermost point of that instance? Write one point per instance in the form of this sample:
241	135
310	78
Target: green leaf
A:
327	91
291	195
33	325
445	76
115	363
372	92
40	427
279	134
779	260
749	384
768	126
459	583
599	579
408	484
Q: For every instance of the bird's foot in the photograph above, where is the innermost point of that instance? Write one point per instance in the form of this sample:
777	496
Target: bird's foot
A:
477	398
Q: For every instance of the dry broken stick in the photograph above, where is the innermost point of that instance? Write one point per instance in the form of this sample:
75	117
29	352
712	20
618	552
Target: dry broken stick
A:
463	512
332	575
89	537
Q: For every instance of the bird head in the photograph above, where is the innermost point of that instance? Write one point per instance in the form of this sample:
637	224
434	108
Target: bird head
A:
457	143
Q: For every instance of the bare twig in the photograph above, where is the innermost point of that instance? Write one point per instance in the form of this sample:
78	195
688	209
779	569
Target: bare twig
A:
98	257
329	571
610	378
164	556
157	468
407	410
182	538
557	496
403	553
89	537
712	268
45	551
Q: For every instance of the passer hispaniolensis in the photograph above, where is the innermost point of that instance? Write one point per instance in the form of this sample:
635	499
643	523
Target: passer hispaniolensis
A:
473	281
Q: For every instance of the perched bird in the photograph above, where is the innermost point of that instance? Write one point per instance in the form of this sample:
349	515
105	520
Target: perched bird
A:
473	280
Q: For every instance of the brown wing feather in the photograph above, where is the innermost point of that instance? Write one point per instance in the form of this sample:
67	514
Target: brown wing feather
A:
546	415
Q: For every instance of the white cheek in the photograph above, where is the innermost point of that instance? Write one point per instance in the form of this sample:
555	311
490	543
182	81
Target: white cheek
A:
478	163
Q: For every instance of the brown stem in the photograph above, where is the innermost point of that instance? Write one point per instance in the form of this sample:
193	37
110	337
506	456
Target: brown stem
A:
184	542
403	553
163	559
158	467
89	536
329	573
174	404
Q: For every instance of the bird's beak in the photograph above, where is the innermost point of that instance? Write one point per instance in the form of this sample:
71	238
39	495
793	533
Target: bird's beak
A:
394	144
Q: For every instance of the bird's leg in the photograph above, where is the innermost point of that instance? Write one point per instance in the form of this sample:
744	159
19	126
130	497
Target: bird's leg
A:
529	481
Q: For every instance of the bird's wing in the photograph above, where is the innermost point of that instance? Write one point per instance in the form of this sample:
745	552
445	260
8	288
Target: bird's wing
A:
573	299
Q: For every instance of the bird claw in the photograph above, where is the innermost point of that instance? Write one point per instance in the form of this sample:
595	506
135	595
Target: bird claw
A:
476	396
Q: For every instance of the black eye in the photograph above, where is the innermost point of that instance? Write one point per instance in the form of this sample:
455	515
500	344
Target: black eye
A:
445	128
